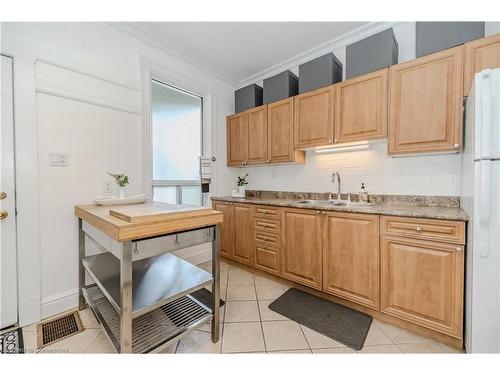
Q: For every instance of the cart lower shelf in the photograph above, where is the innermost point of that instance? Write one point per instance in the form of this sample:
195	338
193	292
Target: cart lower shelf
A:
153	331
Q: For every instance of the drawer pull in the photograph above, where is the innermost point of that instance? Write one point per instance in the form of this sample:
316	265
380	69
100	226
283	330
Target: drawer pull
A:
418	229
459	249
265	238
267	225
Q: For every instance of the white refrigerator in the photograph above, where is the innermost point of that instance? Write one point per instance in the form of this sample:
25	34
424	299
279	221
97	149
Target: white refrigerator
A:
481	200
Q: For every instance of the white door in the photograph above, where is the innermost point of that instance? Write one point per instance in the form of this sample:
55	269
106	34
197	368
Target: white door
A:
8	252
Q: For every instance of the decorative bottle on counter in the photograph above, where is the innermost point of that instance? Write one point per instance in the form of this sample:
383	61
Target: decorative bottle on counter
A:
363	194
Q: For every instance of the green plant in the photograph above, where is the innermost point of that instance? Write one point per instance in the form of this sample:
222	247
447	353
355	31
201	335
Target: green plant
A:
120	179
242	180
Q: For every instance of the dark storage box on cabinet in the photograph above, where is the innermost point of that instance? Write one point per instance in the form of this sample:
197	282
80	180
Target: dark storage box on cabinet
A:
437	36
373	53
320	72
247	97
280	86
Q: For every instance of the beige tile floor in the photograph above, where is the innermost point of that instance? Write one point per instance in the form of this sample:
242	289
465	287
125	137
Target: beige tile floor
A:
248	326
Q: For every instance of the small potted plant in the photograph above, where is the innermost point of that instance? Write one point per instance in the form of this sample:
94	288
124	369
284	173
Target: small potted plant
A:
122	181
242	181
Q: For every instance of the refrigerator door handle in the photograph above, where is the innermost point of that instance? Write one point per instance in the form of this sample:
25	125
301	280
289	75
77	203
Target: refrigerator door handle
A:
486	118
484	208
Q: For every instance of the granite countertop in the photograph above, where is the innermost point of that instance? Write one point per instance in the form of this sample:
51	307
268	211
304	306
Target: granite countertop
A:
400	209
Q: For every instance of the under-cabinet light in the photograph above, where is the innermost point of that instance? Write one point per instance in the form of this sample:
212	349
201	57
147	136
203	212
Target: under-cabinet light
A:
342	148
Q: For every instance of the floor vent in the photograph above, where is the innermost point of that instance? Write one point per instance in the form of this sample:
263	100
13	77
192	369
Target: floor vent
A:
58	328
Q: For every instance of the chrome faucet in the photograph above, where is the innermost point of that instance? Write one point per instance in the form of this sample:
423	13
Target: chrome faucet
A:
335	174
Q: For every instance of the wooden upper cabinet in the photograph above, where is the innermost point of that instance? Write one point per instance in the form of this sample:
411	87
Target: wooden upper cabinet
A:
237	136
257	135
243	233
425	103
422	282
351	257
301	251
361	108
479	55
280	133
226	227
313	121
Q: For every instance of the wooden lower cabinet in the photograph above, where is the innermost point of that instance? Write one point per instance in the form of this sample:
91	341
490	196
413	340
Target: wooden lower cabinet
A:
375	263
301	250
351	257
422	282
243	234
226	242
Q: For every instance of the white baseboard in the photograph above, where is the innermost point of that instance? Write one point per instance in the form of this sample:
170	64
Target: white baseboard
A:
61	302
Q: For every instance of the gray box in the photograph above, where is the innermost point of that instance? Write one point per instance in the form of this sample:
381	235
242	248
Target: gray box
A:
280	86
320	72
437	36
373	53
247	97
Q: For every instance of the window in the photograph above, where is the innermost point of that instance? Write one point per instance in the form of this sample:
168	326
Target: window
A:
177	123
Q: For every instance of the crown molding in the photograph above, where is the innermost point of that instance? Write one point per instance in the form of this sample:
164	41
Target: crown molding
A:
135	31
339	42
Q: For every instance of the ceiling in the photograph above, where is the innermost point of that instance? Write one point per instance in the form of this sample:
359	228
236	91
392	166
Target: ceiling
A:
237	51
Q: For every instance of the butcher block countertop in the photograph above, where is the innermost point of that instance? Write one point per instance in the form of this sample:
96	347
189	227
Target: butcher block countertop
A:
131	222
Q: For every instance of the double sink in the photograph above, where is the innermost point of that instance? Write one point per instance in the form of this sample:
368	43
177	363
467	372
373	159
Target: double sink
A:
334	202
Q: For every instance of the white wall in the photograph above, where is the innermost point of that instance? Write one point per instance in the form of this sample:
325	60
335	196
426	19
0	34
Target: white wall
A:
85	79
423	175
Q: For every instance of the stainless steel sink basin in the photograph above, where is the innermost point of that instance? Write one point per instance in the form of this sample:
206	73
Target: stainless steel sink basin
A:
334	203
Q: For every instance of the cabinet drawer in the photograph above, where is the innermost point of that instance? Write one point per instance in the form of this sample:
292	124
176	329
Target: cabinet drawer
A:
430	229
272	239
267	259
266	225
267	212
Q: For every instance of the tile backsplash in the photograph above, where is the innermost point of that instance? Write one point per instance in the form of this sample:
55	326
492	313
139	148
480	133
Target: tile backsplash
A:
381	173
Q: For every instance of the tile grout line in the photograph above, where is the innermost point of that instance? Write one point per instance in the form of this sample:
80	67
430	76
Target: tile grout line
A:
260	316
225	310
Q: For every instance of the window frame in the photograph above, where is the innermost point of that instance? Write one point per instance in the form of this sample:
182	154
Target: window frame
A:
178	184
172	75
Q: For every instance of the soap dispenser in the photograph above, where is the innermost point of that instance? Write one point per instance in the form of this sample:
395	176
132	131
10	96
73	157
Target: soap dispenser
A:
363	194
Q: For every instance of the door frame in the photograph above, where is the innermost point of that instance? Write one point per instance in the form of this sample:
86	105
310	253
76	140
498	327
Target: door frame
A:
27	202
13	211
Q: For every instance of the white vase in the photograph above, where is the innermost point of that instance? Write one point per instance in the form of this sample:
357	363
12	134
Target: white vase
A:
242	189
121	192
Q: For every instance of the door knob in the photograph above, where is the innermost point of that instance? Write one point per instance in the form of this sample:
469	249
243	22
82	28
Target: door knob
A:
3	195
3	214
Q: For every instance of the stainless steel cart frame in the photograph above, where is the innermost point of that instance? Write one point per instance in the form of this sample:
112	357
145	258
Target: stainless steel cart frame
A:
152	321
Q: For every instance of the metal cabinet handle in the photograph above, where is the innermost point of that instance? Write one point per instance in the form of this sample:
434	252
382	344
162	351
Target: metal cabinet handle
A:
3	214
3	195
268	161
418	229
459	249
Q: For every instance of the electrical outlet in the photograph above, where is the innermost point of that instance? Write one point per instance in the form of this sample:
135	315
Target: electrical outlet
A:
58	159
108	187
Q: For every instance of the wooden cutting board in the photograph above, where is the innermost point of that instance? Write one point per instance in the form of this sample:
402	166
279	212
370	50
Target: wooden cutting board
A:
157	211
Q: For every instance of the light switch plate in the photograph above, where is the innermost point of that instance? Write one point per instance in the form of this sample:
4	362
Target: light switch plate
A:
58	159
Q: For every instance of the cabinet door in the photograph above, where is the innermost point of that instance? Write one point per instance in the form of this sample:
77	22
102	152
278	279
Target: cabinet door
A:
237	139
313	121
351	257
280	139
301	250
243	233
361	108
422	282
479	55
425	103
257	135
226	227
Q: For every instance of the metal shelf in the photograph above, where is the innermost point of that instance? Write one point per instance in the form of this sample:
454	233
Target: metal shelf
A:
156	280
153	331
